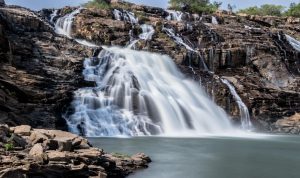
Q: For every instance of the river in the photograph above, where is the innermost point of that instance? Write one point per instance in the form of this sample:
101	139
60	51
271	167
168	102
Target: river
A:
212	157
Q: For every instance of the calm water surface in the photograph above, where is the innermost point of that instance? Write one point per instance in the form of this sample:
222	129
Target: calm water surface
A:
213	157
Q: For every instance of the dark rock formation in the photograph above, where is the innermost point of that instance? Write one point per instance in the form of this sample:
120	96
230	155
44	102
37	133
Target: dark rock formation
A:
2	3
39	70
251	51
54	153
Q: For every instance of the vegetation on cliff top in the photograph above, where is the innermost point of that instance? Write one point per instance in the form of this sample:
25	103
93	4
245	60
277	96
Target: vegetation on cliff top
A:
266	9
195	6
100	4
273	10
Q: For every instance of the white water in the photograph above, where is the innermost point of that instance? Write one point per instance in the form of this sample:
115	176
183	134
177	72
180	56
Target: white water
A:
141	93
53	15
244	112
86	43
295	43
126	16
214	20
147	33
170	32
174	15
63	25
117	14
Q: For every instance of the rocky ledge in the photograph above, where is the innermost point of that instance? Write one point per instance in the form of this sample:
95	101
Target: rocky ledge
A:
28	152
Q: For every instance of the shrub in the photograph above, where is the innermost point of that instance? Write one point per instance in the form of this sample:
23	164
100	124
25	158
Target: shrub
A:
99	4
266	9
9	146
194	6
294	10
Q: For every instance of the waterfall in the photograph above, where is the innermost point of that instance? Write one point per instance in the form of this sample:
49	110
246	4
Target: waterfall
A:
170	32
53	15
244	112
141	93
214	20
174	15
294	43
126	16
63	25
147	33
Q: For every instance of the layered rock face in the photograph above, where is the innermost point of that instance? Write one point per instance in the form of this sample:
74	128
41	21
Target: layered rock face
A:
251	52
39	70
28	152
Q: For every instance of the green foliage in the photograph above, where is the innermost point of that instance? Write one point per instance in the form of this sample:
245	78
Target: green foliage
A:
294	10
195	6
264	10
99	4
120	155
9	146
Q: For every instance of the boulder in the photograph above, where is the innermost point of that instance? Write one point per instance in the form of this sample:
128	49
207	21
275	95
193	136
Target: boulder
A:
23	130
288	125
37	137
4	132
57	156
37	152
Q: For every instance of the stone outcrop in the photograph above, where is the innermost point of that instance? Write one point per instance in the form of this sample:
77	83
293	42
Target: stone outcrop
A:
54	153
288	125
252	51
38	70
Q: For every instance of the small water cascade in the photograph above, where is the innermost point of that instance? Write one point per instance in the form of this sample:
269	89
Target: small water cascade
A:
214	20
294	43
142	93
174	15
147	33
63	25
170	32
53	15
244	112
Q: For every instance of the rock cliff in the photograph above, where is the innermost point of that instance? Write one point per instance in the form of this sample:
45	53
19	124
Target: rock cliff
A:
40	70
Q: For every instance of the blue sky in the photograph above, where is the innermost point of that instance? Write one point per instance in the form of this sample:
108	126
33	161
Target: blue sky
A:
39	4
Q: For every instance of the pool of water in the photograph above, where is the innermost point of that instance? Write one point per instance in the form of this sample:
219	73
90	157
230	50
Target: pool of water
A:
212	157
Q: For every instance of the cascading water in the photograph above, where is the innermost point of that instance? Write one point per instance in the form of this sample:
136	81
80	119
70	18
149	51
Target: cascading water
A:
174	15
170	32
214	20
295	43
141	93
63	25
244	112
53	15
147	33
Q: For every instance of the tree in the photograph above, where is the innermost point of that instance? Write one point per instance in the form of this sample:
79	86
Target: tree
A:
294	10
230	8
194	6
266	9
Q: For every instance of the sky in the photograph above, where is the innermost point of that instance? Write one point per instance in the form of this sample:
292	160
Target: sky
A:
39	4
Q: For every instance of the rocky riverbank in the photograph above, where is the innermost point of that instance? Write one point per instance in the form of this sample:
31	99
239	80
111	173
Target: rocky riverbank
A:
28	152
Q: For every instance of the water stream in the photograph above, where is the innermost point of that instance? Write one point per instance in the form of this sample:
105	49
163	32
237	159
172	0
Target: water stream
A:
141	93
244	112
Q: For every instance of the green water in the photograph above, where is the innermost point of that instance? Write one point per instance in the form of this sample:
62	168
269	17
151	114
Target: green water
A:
213	157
